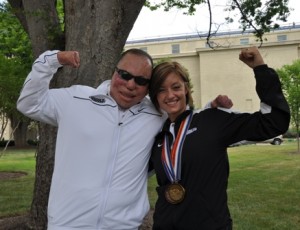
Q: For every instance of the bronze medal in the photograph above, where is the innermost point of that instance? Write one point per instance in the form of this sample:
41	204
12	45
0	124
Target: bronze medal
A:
174	193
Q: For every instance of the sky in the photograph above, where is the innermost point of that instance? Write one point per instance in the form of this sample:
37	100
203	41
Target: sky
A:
160	24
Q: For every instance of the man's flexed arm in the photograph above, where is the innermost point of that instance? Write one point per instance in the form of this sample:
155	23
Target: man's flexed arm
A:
35	100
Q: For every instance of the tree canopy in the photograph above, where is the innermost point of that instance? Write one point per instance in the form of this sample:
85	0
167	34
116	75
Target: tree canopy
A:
290	78
15	63
257	15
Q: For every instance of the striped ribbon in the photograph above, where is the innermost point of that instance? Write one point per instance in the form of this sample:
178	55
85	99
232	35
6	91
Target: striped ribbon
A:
171	159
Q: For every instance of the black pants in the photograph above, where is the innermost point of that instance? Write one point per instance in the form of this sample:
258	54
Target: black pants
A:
228	227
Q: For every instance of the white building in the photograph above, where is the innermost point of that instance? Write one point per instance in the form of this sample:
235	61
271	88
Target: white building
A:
219	70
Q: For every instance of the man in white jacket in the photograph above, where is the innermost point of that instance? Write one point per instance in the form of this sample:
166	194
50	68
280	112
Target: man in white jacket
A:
103	143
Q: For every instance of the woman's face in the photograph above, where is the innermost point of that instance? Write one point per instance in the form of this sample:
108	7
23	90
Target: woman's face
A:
172	96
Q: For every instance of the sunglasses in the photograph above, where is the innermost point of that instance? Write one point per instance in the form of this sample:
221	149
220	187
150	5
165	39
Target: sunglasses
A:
127	76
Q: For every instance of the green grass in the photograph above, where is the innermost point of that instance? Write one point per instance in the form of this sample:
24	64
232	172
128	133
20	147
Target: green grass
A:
263	190
16	194
264	187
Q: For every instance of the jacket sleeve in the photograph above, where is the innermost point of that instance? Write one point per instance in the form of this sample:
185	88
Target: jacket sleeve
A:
271	120
268	88
35	100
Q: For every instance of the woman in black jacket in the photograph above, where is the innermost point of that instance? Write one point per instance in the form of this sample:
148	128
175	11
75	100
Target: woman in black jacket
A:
190	153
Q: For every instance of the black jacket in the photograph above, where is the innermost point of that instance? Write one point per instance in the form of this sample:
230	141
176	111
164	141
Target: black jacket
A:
205	166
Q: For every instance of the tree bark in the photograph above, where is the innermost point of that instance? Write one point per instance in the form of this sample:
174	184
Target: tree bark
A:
19	128
44	170
98	30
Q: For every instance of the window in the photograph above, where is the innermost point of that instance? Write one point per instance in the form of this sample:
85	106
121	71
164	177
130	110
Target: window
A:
175	49
281	38
244	41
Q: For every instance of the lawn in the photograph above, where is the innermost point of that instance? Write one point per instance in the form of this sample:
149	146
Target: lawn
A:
16	193
263	187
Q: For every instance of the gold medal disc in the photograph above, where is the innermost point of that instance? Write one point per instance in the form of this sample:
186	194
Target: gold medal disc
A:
174	193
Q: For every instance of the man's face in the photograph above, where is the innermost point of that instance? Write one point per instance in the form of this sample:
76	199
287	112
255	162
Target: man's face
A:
127	92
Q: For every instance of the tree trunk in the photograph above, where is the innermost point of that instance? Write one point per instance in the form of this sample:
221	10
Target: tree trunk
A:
44	170
42	24
98	30
19	128
297	137
4	122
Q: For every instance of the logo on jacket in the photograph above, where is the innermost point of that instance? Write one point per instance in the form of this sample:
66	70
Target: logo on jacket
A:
97	99
191	130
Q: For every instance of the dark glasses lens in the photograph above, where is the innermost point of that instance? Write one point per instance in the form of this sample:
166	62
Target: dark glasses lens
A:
127	76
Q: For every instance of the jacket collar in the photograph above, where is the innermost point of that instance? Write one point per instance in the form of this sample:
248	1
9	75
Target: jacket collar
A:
177	122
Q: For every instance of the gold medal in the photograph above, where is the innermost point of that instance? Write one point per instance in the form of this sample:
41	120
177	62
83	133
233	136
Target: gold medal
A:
171	160
174	193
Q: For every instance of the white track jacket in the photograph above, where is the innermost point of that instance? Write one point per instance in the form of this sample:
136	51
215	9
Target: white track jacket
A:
101	158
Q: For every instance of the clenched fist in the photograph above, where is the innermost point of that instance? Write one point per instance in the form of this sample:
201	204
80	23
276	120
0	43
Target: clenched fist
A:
70	58
251	57
222	101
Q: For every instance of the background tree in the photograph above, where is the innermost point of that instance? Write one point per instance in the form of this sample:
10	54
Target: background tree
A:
290	78
15	62
11	81
98	30
257	15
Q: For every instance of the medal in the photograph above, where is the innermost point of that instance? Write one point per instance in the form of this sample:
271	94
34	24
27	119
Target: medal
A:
171	160
174	193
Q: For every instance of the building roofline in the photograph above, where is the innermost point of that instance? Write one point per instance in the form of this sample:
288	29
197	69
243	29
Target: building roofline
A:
290	26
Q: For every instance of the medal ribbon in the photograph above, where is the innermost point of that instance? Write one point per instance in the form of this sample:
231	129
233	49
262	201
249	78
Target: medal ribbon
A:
171	159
